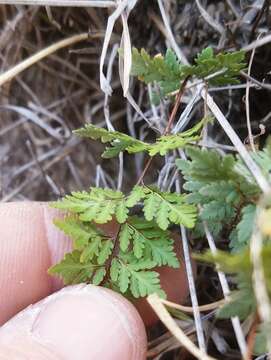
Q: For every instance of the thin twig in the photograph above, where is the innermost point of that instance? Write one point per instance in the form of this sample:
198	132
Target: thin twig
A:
168	321
250	135
255	81
176	105
257	43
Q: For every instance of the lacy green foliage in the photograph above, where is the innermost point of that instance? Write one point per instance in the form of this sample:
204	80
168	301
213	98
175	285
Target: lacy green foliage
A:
168	72
166	208
100	205
226	197
141	246
121	142
242	301
125	261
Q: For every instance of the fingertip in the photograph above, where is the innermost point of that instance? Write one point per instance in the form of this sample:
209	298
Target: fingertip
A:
30	244
83	322
58	243
24	257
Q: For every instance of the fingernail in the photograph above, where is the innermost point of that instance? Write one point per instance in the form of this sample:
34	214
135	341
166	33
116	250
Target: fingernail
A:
86	322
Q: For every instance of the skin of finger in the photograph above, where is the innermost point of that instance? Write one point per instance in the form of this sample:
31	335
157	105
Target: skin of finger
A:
29	245
79	322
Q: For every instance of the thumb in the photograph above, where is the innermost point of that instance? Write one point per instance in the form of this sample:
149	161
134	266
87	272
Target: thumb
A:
80	322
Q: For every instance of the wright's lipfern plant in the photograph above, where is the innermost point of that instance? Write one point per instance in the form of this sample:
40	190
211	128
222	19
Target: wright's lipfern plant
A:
228	198
126	260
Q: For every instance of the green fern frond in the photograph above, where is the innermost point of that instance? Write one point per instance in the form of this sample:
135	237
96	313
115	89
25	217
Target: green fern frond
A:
217	185
168	72
140	283
71	270
244	228
168	208
98	205
150	242
121	142
141	246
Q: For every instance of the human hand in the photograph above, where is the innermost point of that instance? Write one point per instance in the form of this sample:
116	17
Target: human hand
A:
78	322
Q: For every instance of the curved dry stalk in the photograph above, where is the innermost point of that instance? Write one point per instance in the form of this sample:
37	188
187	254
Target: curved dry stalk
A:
189	309
17	69
250	135
161	311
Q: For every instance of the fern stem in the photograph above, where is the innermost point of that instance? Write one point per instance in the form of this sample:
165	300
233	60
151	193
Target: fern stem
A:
169	125
148	164
114	253
176	105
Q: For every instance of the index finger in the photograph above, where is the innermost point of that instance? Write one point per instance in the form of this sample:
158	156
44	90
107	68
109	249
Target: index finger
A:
29	245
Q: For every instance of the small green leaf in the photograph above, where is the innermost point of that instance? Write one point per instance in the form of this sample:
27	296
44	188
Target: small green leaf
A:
91	250
114	270
145	283
125	236
77	231
138	244
135	196
105	252
71	269
124	279
242	305
245	226
99	276
151	205
121	212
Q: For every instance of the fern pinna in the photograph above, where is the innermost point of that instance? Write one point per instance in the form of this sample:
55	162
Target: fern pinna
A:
139	245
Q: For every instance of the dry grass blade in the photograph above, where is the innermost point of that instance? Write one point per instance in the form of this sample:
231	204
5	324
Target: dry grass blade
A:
120	11
77	3
10	74
168	321
226	291
252	166
192	290
257	43
189	309
212	22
